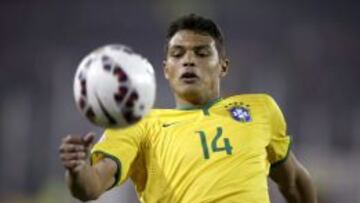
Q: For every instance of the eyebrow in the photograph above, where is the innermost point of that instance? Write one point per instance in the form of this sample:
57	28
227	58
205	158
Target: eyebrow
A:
197	47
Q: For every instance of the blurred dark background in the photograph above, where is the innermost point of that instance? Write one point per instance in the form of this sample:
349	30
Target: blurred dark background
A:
305	54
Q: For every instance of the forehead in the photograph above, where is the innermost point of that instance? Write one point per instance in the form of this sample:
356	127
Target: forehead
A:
188	38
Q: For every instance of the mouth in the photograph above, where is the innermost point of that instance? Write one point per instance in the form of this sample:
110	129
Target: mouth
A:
189	77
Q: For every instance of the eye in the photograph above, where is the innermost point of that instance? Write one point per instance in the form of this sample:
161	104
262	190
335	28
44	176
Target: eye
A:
203	52
176	53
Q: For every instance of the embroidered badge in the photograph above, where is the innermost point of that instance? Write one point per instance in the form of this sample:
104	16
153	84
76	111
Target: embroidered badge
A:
240	112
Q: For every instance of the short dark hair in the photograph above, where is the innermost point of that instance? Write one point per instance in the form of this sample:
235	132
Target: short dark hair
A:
199	25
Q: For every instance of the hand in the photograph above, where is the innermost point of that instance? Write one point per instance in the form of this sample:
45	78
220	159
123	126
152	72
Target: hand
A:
74	151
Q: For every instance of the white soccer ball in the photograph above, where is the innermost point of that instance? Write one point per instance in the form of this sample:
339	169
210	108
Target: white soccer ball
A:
114	87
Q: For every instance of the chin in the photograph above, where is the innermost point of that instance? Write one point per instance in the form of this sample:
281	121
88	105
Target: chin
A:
190	91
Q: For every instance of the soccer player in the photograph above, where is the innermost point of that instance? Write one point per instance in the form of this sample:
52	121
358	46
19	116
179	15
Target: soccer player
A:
208	149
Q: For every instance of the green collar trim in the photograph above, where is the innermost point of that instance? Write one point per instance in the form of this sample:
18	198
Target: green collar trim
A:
204	107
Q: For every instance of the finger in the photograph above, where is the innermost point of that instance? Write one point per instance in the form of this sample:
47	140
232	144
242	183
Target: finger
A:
71	148
73	156
88	138
72	139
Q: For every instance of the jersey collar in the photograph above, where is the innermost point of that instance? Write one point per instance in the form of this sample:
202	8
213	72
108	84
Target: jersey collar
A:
205	107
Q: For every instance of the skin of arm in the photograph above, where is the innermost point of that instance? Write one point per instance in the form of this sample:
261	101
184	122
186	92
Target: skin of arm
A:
294	181
91	181
85	181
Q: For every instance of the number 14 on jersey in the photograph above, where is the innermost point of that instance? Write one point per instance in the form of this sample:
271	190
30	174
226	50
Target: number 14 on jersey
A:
217	144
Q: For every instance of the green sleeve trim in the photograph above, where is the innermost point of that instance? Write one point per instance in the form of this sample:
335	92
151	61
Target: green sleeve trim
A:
116	160
278	163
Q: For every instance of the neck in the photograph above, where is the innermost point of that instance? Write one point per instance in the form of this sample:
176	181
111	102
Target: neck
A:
194	102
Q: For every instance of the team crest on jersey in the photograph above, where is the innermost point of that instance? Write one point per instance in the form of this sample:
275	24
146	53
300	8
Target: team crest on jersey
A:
240	112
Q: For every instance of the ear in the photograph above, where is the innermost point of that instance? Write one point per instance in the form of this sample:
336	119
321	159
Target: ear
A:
165	69
224	67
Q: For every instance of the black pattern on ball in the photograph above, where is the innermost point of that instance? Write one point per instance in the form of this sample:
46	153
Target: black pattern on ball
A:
90	114
105	59
128	112
120	74
130	117
107	67
132	99
83	87
82	103
118	98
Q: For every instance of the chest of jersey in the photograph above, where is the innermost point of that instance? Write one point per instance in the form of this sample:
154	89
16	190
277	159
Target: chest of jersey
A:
207	154
192	146
193	135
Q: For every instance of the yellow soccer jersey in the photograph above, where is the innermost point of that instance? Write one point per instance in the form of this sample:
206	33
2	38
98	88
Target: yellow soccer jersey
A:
219	153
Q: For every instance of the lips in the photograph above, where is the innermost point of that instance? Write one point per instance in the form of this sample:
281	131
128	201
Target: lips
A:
189	77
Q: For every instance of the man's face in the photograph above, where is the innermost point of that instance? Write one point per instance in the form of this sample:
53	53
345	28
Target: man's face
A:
193	65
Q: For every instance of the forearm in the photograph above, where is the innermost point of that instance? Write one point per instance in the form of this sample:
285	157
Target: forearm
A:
84	184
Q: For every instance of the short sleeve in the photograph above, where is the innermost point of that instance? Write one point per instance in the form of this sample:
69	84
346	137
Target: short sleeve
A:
120	145
280	141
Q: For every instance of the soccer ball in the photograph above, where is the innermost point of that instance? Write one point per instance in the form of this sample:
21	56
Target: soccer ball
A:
114	87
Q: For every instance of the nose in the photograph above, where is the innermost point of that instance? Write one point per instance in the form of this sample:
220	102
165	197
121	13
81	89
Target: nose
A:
188	60
188	64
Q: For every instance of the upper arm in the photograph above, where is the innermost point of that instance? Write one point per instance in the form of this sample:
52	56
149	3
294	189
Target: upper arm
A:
288	173
294	181
284	174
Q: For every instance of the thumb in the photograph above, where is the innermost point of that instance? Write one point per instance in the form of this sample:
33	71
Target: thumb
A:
88	139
